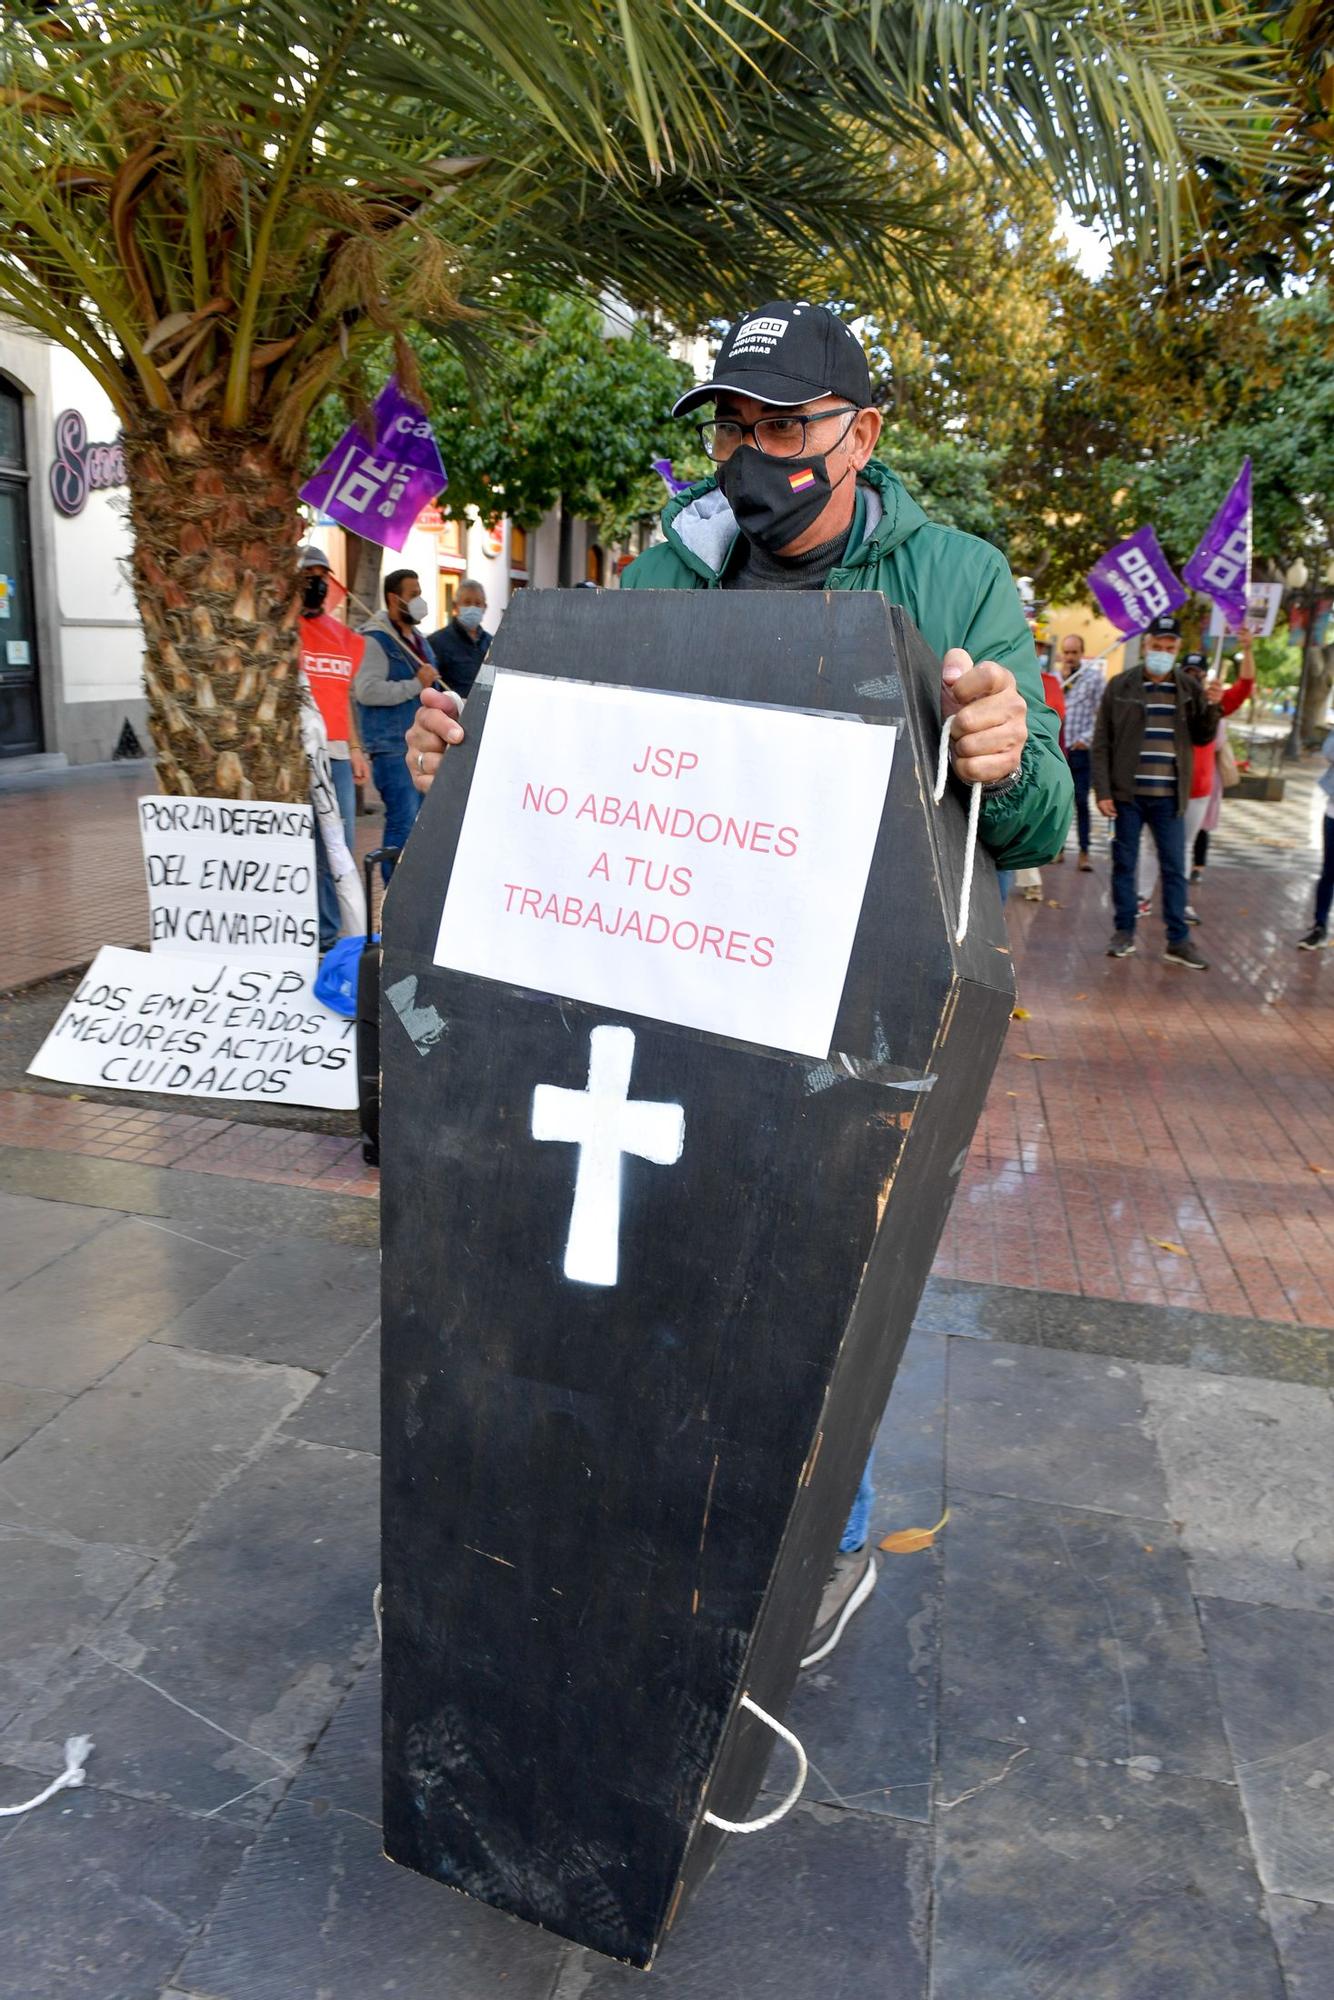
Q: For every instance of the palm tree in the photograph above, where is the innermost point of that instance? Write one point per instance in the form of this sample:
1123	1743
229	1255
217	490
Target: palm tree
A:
217	205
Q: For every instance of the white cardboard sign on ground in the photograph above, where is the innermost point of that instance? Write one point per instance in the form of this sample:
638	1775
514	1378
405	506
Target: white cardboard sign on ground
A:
696	861
231	878
141	1021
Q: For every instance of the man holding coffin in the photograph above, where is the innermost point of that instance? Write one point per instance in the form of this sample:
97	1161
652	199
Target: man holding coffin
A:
799	503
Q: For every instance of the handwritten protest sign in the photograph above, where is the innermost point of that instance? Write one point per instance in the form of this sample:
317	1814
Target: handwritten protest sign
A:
160	1022
697	861
231	879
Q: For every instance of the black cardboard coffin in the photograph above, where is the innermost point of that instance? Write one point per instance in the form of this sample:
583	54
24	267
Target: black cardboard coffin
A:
609	1512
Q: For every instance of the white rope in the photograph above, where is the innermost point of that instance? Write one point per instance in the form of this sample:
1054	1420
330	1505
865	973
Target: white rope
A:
770	1818
77	1749
970	838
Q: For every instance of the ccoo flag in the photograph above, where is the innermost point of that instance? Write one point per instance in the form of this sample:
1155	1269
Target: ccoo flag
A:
378	486
1221	565
1134	583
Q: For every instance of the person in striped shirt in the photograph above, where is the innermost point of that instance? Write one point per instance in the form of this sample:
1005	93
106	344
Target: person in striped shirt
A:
1150	719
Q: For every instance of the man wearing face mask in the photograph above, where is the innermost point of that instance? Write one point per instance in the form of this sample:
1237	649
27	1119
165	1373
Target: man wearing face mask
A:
799	504
1151	718
459	648
395	667
330	656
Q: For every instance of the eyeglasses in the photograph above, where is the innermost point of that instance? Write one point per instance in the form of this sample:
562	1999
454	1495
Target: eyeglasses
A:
775	437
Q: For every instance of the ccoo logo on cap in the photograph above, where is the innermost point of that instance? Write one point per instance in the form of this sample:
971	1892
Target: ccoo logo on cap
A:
786	352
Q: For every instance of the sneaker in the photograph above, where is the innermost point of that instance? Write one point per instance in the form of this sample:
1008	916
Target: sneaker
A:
1032	893
851	1582
1145	907
1122	944
1192	914
1315	940
1059	858
1085	865
1185	954
1197	874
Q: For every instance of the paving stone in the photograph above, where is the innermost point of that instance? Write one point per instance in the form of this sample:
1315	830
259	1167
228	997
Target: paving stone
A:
100	1896
987	1312
222	1668
299	1302
345	1409
23	1411
34	1233
70	1322
1043	1424
1075	1632
1220	1343
867	1714
1304	1933
262	1211
1248	1477
1275	1672
56	1592
134	1459
317	1910
828	1905
1061	1877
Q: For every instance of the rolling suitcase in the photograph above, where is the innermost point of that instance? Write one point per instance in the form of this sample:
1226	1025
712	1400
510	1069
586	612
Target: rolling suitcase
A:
368	1019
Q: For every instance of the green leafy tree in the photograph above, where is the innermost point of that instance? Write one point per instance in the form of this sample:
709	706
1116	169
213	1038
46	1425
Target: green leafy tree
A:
221	205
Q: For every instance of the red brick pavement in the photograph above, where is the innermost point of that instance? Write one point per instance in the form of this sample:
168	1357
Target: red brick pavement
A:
1163	1107
1141	1105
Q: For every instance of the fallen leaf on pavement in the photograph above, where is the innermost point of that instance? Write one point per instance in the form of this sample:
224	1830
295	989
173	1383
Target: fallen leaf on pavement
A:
1176	1249
908	1540
1319	1170
1025	1057
1081	996
1052	904
1020	1014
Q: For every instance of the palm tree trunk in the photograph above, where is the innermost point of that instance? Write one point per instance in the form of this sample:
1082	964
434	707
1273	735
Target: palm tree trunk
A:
215	523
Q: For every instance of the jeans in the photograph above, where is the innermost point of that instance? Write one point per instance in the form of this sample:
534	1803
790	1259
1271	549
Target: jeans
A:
1168	829
402	801
340	769
1005	882
1324	888
1081	770
859	1520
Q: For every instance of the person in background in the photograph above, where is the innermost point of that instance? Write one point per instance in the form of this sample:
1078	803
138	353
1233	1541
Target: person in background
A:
330	655
1030	879
1150	719
1084	684
386	692
459	648
1317	937
1204	771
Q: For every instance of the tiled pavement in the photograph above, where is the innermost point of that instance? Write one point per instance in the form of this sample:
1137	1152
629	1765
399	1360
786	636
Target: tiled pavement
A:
1081	1746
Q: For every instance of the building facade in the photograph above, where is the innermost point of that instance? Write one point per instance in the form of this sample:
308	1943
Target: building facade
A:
71	648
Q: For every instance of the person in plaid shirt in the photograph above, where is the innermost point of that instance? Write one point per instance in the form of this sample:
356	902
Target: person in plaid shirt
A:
1083	693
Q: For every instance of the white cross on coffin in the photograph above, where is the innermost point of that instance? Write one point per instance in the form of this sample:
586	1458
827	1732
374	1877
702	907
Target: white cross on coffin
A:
605	1123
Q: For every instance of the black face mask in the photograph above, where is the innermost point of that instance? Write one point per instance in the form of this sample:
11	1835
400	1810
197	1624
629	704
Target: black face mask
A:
313	593
775	499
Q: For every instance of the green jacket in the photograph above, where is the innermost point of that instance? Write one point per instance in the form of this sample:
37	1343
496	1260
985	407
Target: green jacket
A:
957	590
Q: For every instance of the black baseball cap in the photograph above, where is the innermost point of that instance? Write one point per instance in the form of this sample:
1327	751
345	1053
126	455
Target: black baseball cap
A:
1165	626
1196	662
786	352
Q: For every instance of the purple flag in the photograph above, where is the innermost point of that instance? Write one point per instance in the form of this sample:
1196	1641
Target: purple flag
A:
1134	582
1221	565
377	487
663	468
